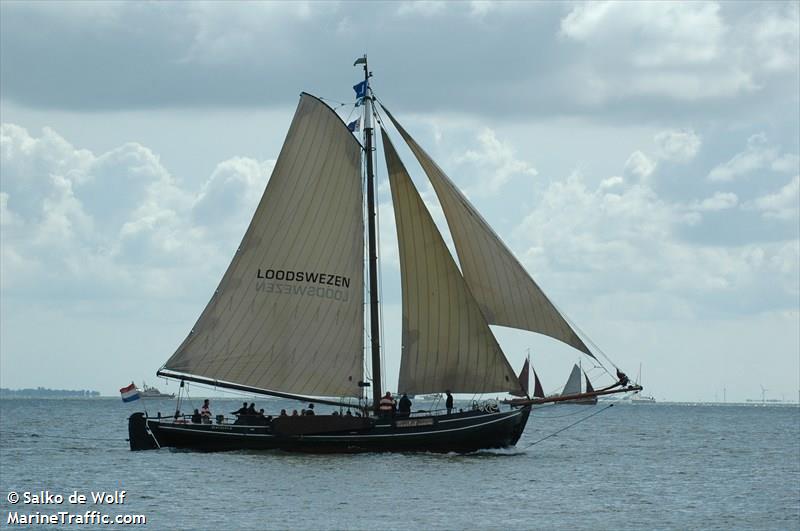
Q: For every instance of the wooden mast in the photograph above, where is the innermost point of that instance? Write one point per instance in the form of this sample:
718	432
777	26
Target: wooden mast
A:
377	387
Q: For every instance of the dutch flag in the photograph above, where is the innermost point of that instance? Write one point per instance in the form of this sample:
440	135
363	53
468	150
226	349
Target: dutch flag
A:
130	393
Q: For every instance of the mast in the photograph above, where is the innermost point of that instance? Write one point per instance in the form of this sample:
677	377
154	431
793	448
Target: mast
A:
377	387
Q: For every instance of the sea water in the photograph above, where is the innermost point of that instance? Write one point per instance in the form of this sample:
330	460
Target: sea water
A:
631	466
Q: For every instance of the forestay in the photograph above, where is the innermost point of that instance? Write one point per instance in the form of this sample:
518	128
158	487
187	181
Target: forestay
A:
288	313
506	294
446	341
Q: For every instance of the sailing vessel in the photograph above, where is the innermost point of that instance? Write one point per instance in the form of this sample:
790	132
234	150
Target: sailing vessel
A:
637	397
287	318
524	381
573	387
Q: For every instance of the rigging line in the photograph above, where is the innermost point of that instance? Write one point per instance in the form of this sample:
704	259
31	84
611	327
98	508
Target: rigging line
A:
340	103
350	114
589	339
568	427
380	262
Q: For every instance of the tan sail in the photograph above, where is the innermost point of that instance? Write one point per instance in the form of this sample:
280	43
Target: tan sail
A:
505	292
288	313
446	342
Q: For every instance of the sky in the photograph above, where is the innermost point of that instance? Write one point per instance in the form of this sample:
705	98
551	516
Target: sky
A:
640	159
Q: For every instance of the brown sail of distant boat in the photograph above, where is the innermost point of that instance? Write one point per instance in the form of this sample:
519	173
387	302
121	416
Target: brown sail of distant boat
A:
287	318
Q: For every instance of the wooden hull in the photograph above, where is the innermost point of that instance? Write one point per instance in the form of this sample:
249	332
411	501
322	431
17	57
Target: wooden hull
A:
459	432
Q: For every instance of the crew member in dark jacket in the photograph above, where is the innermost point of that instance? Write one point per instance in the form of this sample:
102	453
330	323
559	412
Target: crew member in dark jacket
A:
241	411
404	407
449	402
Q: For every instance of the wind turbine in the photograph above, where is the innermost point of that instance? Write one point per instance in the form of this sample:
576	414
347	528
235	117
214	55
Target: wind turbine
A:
763	393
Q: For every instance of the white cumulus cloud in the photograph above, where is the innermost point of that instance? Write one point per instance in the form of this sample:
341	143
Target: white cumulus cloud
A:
680	145
115	222
758	154
783	204
640	165
497	161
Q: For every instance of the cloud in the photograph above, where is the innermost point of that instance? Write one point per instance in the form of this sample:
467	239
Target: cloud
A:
758	154
623	239
230	195
425	8
719	201
786	163
669	34
496	161
679	145
776	34
783	204
679	51
640	165
115	223
640	61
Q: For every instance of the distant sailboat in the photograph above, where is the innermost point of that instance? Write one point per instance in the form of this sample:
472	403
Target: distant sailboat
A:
637	397
524	381
287	318
573	387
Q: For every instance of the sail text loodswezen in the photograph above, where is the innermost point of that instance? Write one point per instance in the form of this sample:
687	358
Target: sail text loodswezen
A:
325	279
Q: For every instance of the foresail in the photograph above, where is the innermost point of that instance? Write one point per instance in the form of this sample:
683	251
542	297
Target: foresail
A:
589	388
538	392
505	292
573	385
446	341
288	313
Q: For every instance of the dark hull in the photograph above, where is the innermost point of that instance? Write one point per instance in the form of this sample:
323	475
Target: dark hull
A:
460	432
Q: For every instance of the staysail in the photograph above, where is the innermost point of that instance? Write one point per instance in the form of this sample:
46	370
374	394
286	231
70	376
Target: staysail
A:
446	341
505	292
288	313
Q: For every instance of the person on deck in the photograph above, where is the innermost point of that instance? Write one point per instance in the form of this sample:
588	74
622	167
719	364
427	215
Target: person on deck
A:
387	405
310	410
404	408
449	402
623	378
241	411
251	410
205	411
196	418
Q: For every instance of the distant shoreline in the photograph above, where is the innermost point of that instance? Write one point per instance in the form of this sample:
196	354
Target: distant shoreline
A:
45	392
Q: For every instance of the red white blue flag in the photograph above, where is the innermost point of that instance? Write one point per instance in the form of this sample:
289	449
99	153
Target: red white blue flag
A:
130	393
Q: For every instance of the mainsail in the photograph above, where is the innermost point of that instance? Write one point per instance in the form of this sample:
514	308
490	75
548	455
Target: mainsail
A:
446	341
573	385
505	292
524	379
288	313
